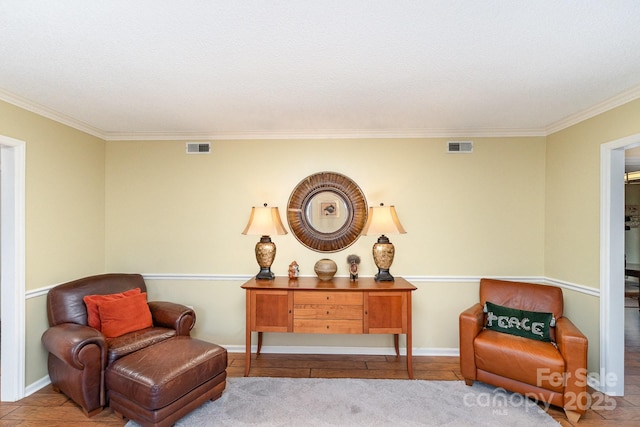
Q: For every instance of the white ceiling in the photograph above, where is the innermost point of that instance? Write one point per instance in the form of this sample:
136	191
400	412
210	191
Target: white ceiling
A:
330	68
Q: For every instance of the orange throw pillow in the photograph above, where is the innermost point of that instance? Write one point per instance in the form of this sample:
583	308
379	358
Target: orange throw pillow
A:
92	301
125	315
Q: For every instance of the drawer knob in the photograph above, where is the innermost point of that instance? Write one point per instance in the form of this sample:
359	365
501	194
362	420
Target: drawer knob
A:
327	312
327	326
328	298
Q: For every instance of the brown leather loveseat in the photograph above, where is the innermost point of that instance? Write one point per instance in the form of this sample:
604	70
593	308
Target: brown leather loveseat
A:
538	353
80	354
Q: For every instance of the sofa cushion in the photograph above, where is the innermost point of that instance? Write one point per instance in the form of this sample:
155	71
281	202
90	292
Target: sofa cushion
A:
529	324
124	315
537	363
92	302
137	340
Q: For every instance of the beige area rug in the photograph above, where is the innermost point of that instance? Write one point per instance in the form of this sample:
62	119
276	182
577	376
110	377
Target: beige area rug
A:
259	401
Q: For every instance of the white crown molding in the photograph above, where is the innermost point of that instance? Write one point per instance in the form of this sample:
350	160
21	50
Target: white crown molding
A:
606	105
323	134
262	135
49	113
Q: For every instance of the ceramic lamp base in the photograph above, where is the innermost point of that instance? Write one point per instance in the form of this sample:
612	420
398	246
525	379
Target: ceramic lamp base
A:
383	252
383	275
265	274
265	254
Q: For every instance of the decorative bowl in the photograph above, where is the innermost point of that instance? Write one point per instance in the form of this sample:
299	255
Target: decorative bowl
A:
325	268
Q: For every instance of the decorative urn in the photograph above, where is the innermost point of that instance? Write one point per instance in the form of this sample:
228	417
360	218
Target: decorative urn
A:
325	268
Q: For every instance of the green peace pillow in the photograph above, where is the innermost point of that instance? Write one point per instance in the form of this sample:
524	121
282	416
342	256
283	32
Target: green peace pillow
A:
523	323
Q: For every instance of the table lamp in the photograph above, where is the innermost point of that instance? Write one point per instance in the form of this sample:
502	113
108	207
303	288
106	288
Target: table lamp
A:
383	220
264	222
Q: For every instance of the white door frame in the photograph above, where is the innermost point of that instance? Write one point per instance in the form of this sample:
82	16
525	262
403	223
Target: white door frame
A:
12	265
612	263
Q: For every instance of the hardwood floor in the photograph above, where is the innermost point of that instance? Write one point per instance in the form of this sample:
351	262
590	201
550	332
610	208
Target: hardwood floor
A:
48	408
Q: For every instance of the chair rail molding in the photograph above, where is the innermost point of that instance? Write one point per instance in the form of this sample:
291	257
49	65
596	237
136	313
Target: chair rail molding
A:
413	279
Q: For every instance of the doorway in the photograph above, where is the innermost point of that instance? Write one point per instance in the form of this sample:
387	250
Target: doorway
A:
632	227
612	224
12	268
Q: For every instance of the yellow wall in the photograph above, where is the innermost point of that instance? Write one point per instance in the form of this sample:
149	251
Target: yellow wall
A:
466	215
516	207
64	212
572	231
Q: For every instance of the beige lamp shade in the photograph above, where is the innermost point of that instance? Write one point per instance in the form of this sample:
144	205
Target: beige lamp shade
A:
382	220
264	221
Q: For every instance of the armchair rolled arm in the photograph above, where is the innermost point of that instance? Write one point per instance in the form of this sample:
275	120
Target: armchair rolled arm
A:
471	323
573	347
67	340
173	315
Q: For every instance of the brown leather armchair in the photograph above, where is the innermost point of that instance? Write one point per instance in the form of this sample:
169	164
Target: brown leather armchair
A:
554	372
79	354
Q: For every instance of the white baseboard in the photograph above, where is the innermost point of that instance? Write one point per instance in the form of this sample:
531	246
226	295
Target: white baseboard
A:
38	385
381	351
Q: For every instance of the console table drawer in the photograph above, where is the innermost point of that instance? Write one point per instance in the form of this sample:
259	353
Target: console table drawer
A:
328	326
327	311
341	298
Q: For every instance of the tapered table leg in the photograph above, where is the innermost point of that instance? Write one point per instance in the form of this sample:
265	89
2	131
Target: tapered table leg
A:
409	339
247	339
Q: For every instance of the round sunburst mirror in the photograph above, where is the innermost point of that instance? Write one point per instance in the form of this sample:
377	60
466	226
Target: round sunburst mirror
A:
326	212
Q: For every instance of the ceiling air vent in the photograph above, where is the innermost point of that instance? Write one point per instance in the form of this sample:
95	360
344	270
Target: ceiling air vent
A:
459	146
198	147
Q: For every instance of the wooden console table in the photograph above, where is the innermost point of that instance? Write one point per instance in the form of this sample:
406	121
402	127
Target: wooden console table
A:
308	305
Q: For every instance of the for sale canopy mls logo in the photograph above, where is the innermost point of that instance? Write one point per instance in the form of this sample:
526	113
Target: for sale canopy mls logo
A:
597	401
500	400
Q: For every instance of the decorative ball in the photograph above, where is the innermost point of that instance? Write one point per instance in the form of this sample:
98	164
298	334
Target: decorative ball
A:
325	268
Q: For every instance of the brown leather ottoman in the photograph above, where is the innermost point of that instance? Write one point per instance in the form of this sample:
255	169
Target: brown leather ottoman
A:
160	384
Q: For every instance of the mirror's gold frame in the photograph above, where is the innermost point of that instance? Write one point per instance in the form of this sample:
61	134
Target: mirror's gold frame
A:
346	189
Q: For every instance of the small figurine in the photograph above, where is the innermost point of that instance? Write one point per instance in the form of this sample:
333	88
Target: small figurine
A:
294	270
354	262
